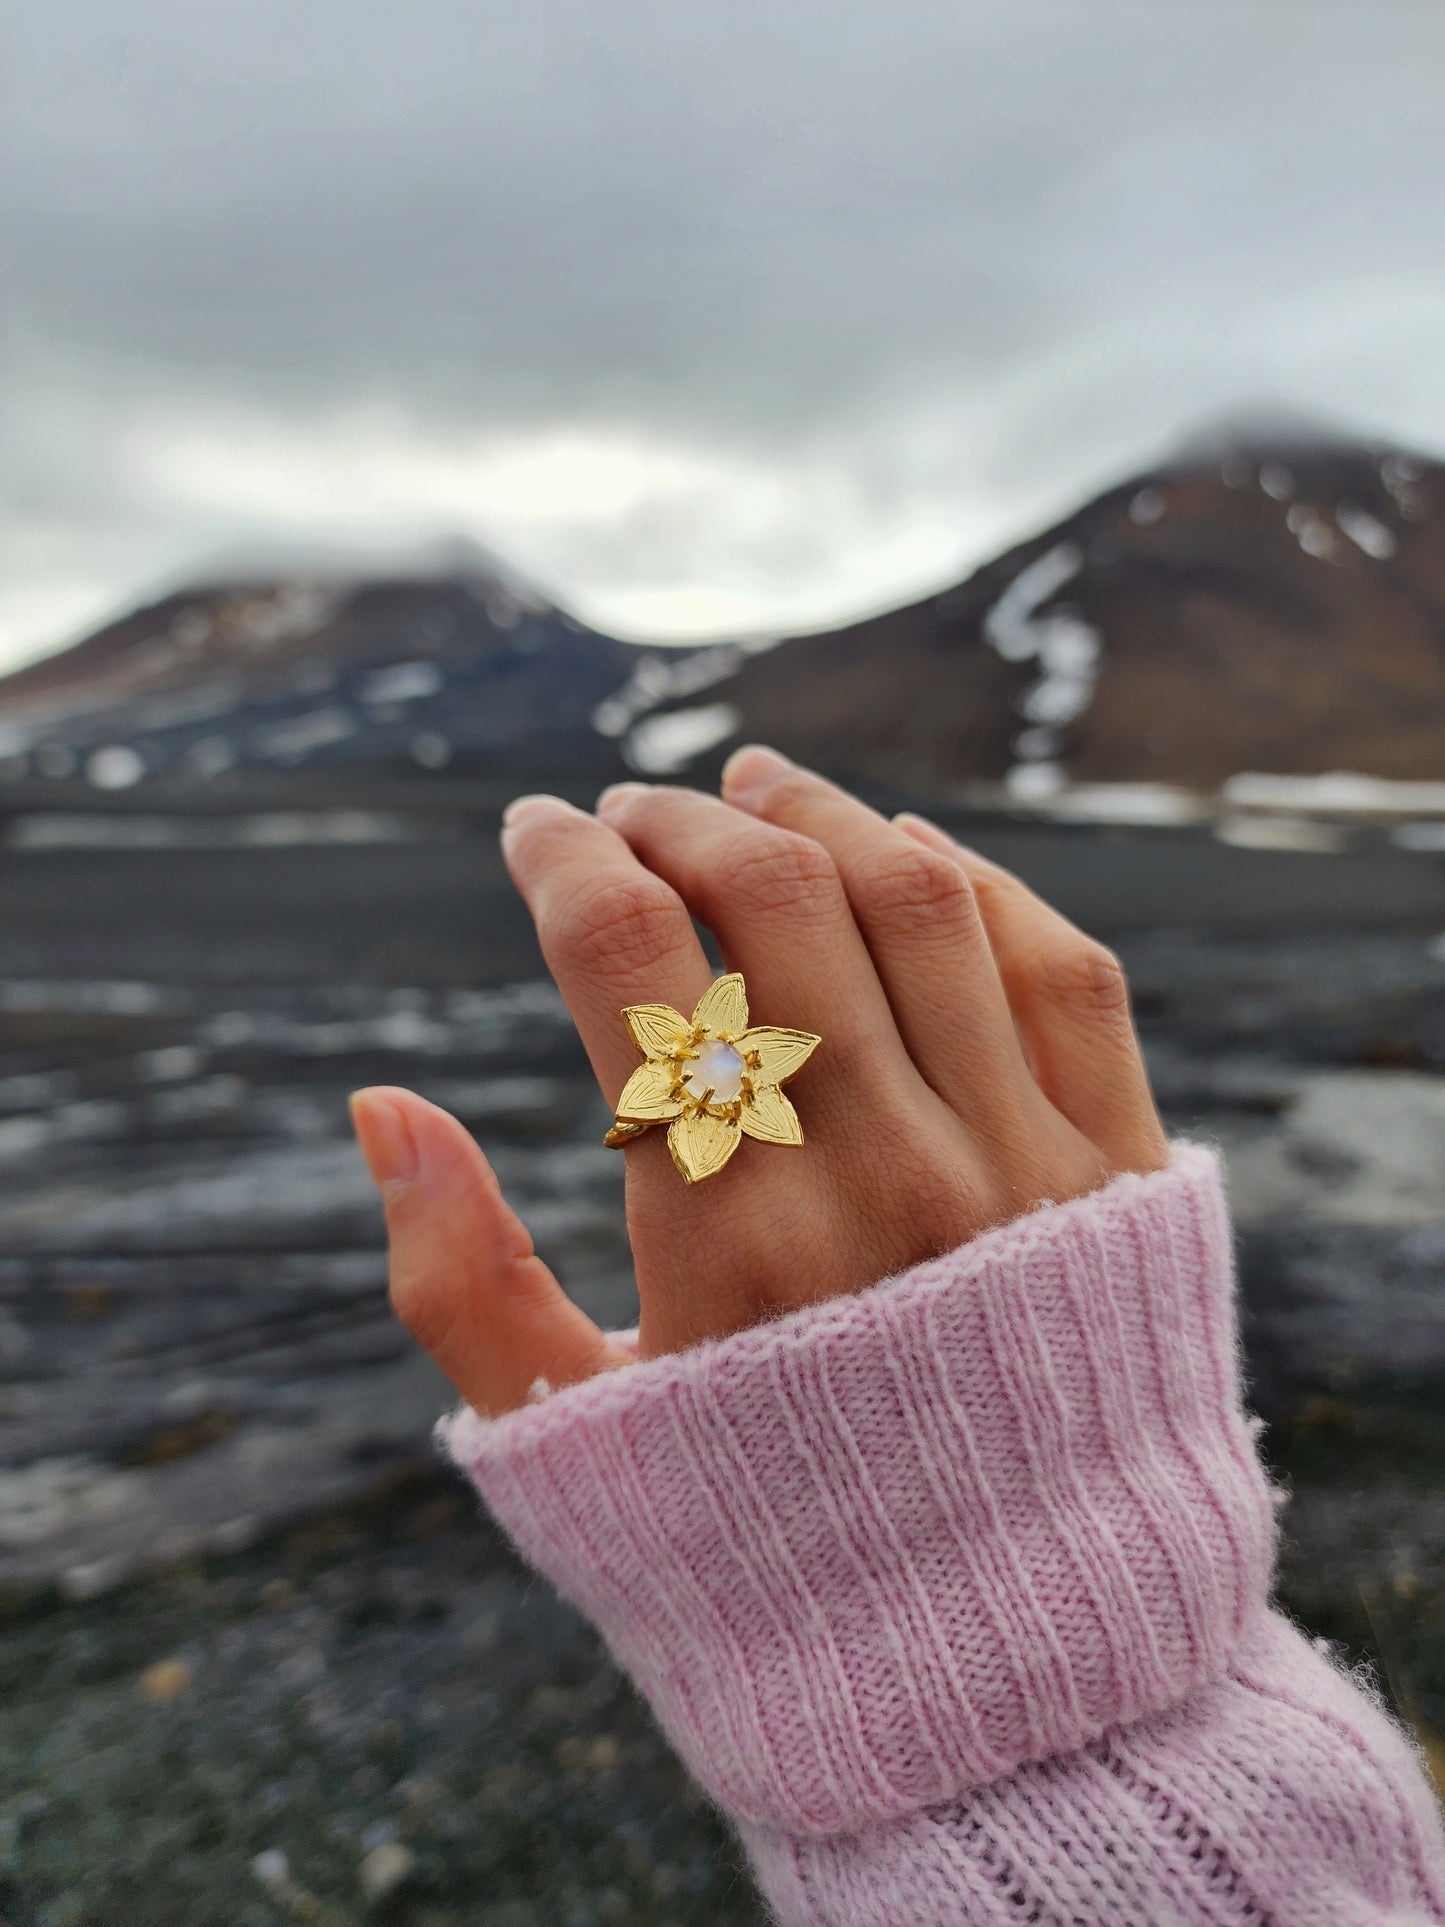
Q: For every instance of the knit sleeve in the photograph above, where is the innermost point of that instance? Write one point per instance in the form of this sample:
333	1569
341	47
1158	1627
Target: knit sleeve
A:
947	1549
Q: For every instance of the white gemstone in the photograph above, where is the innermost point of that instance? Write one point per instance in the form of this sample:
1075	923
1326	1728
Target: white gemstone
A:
717	1065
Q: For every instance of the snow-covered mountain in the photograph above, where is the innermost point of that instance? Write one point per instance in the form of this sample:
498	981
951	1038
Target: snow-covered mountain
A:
1268	603
229	684
1274	606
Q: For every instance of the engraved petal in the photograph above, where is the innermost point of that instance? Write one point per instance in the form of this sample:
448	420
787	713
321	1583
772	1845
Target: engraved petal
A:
648	1093
701	1144
771	1117
724	1005
781	1052
658	1029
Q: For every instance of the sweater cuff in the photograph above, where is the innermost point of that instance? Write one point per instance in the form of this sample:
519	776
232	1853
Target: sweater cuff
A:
878	1552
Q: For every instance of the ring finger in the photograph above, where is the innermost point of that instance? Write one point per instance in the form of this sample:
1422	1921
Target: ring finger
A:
916	910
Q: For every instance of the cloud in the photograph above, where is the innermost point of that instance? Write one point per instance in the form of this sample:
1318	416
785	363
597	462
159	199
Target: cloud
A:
764	313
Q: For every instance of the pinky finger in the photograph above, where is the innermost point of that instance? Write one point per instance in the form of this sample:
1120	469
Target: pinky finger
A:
1070	1003
465	1280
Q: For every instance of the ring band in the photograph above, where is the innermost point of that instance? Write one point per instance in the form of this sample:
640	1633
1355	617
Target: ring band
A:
710	1078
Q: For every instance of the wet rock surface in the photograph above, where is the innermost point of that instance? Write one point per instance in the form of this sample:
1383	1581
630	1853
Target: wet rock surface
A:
193	1260
264	1662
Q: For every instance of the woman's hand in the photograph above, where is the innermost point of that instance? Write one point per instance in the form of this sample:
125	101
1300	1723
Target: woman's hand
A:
978	1057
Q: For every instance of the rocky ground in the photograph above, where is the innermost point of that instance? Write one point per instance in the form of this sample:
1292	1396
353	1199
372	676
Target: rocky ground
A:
263	1662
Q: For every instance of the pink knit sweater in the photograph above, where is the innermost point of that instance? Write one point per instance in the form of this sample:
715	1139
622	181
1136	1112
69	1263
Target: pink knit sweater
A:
954	1593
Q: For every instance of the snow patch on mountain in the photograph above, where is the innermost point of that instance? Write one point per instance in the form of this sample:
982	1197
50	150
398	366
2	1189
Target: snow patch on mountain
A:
1065	650
664	745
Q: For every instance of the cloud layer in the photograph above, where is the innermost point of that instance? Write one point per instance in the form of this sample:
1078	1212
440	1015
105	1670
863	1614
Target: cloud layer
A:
713	319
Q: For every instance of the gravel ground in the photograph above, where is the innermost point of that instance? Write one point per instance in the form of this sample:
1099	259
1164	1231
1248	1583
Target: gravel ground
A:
378	1716
262	1660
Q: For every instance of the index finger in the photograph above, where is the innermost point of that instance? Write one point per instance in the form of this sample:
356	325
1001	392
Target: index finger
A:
612	932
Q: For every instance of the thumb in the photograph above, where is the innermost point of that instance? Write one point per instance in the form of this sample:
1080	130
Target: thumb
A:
465	1280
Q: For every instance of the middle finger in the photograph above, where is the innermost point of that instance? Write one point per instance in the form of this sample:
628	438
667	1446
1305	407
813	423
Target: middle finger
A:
774	901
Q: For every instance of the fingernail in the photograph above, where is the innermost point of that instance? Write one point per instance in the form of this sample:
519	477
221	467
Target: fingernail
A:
751	766
911	821
385	1139
616	793
540	805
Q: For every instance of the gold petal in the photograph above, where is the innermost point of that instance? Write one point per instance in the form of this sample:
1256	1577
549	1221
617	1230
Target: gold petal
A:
657	1028
724	1005
648	1093
701	1144
771	1117
780	1052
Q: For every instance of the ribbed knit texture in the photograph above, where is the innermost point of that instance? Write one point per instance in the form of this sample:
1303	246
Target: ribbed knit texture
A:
953	1592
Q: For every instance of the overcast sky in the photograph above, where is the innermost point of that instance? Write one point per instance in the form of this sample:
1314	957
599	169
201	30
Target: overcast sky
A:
710	317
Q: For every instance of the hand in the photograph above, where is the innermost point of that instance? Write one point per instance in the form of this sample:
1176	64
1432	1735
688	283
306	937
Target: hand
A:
978	1058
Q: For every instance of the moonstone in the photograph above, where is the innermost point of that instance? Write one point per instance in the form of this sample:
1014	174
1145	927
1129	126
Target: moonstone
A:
719	1065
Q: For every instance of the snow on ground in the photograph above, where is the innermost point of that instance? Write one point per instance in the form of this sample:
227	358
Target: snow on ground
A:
271	828
1336	793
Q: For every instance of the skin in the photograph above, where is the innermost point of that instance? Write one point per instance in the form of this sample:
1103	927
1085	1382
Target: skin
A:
978	1058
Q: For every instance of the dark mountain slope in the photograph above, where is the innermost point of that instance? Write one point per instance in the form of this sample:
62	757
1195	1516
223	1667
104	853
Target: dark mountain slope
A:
1275	608
233	684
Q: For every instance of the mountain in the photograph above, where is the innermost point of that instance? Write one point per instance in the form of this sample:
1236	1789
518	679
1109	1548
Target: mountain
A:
1267	601
232	685
1252	605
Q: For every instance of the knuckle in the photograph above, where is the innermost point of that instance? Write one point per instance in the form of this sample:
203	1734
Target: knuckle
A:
1085	975
917	888
783	872
620	926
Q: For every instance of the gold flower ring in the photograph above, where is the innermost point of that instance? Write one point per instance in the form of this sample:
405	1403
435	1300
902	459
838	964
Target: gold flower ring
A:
710	1079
